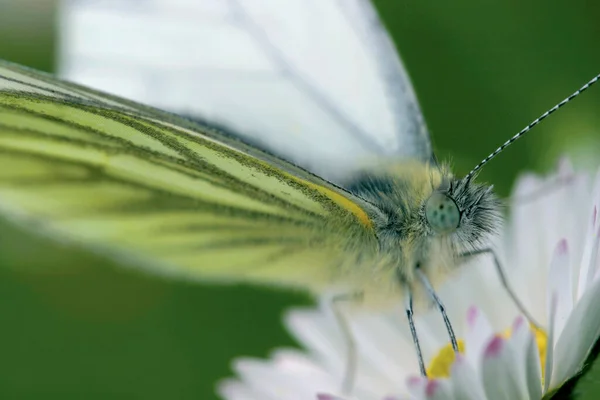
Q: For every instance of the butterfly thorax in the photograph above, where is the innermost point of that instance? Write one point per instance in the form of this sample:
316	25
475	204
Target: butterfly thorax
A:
423	218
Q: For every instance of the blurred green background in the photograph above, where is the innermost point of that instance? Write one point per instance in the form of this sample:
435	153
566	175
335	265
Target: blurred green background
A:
73	325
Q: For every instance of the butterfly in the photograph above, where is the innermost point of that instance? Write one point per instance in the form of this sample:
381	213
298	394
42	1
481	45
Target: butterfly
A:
303	170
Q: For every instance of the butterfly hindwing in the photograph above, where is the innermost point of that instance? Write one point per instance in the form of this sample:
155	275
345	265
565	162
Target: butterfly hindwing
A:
317	82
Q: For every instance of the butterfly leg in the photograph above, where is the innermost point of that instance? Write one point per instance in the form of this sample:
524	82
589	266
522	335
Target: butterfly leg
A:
413	331
342	321
441	308
504	281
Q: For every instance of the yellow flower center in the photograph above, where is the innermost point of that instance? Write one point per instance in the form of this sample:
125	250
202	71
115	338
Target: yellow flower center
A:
439	367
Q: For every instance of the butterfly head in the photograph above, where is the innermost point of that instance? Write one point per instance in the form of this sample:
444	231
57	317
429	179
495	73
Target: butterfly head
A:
467	211
418	204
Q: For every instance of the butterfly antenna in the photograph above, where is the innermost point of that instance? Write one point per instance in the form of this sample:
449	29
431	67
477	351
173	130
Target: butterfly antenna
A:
531	125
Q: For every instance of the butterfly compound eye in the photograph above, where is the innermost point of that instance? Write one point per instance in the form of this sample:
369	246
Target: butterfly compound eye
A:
442	213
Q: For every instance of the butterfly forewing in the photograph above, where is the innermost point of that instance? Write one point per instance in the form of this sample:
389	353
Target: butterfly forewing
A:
142	184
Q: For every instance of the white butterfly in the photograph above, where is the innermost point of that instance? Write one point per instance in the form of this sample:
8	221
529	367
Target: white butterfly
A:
317	83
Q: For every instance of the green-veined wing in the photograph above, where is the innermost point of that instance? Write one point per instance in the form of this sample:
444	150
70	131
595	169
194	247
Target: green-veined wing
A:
170	195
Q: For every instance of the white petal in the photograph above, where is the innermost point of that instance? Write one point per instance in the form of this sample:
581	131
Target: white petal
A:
438	389
591	228
294	361
429	389
500	380
325	396
465	382
536	227
458	300
380	346
580	333
273	381
477	336
416	386
552	304
527	357
234	390
559	281
590	255
320	335
524	245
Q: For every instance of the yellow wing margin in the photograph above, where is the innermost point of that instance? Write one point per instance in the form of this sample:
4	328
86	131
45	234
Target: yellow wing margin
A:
164	193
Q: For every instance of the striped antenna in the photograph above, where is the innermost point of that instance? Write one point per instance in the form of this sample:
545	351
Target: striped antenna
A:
531	125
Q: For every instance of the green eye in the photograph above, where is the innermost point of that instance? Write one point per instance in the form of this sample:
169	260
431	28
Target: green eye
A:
442	213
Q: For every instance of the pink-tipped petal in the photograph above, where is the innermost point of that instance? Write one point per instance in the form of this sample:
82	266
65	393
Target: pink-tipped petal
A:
416	386
589	260
499	374
494	347
416	382
552	305
596	198
438	389
581	332
421	388
519	324
466	384
589	267
559	284
595	259
324	396
472	314
477	334
432	387
527	357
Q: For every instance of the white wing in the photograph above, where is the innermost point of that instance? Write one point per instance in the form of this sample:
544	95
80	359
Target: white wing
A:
316	81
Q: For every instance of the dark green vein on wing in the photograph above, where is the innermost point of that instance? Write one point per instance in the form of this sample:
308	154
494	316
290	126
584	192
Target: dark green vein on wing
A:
170	152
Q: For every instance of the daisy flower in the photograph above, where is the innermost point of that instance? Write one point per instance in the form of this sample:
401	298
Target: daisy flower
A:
549	251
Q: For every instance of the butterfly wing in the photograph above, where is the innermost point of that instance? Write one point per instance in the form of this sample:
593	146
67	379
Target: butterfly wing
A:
137	183
318	82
